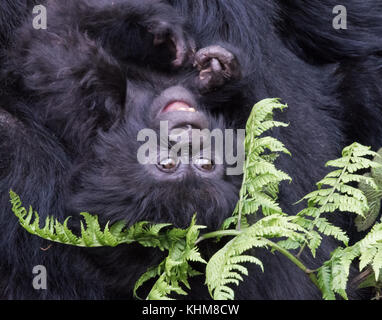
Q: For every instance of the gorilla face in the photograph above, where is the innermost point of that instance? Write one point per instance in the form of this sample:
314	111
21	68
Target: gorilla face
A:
177	178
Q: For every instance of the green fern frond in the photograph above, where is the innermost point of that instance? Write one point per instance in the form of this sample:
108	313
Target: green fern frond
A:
53	230
172	272
371	250
325	281
373	196
261	178
225	266
335	194
333	275
262	112
175	270
91	233
326	228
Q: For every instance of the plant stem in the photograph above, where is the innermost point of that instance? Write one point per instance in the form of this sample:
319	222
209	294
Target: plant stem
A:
217	234
242	197
296	261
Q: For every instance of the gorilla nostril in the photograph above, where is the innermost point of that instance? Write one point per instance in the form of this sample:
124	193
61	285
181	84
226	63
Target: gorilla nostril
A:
168	165
205	165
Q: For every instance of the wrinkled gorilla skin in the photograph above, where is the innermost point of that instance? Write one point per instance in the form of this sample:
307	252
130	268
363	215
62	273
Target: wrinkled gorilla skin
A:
75	96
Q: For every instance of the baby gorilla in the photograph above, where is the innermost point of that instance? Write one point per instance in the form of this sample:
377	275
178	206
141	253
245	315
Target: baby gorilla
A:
114	184
74	108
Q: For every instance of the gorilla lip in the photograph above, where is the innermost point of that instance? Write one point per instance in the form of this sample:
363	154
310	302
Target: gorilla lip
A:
180	114
173	99
178	106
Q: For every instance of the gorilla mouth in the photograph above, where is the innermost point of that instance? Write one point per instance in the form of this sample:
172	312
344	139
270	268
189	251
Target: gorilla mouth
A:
180	114
177	106
180	106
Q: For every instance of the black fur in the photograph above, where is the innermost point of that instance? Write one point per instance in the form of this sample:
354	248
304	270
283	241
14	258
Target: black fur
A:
76	95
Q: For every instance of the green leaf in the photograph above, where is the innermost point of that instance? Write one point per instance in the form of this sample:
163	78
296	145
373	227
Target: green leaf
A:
325	279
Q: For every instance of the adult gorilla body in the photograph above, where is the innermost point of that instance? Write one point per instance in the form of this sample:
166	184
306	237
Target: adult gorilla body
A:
69	128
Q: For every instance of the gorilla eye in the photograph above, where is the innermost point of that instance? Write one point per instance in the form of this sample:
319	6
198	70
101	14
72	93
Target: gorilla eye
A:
168	165
204	164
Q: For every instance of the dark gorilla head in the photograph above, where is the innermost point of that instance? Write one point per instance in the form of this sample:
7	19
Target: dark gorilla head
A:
138	172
